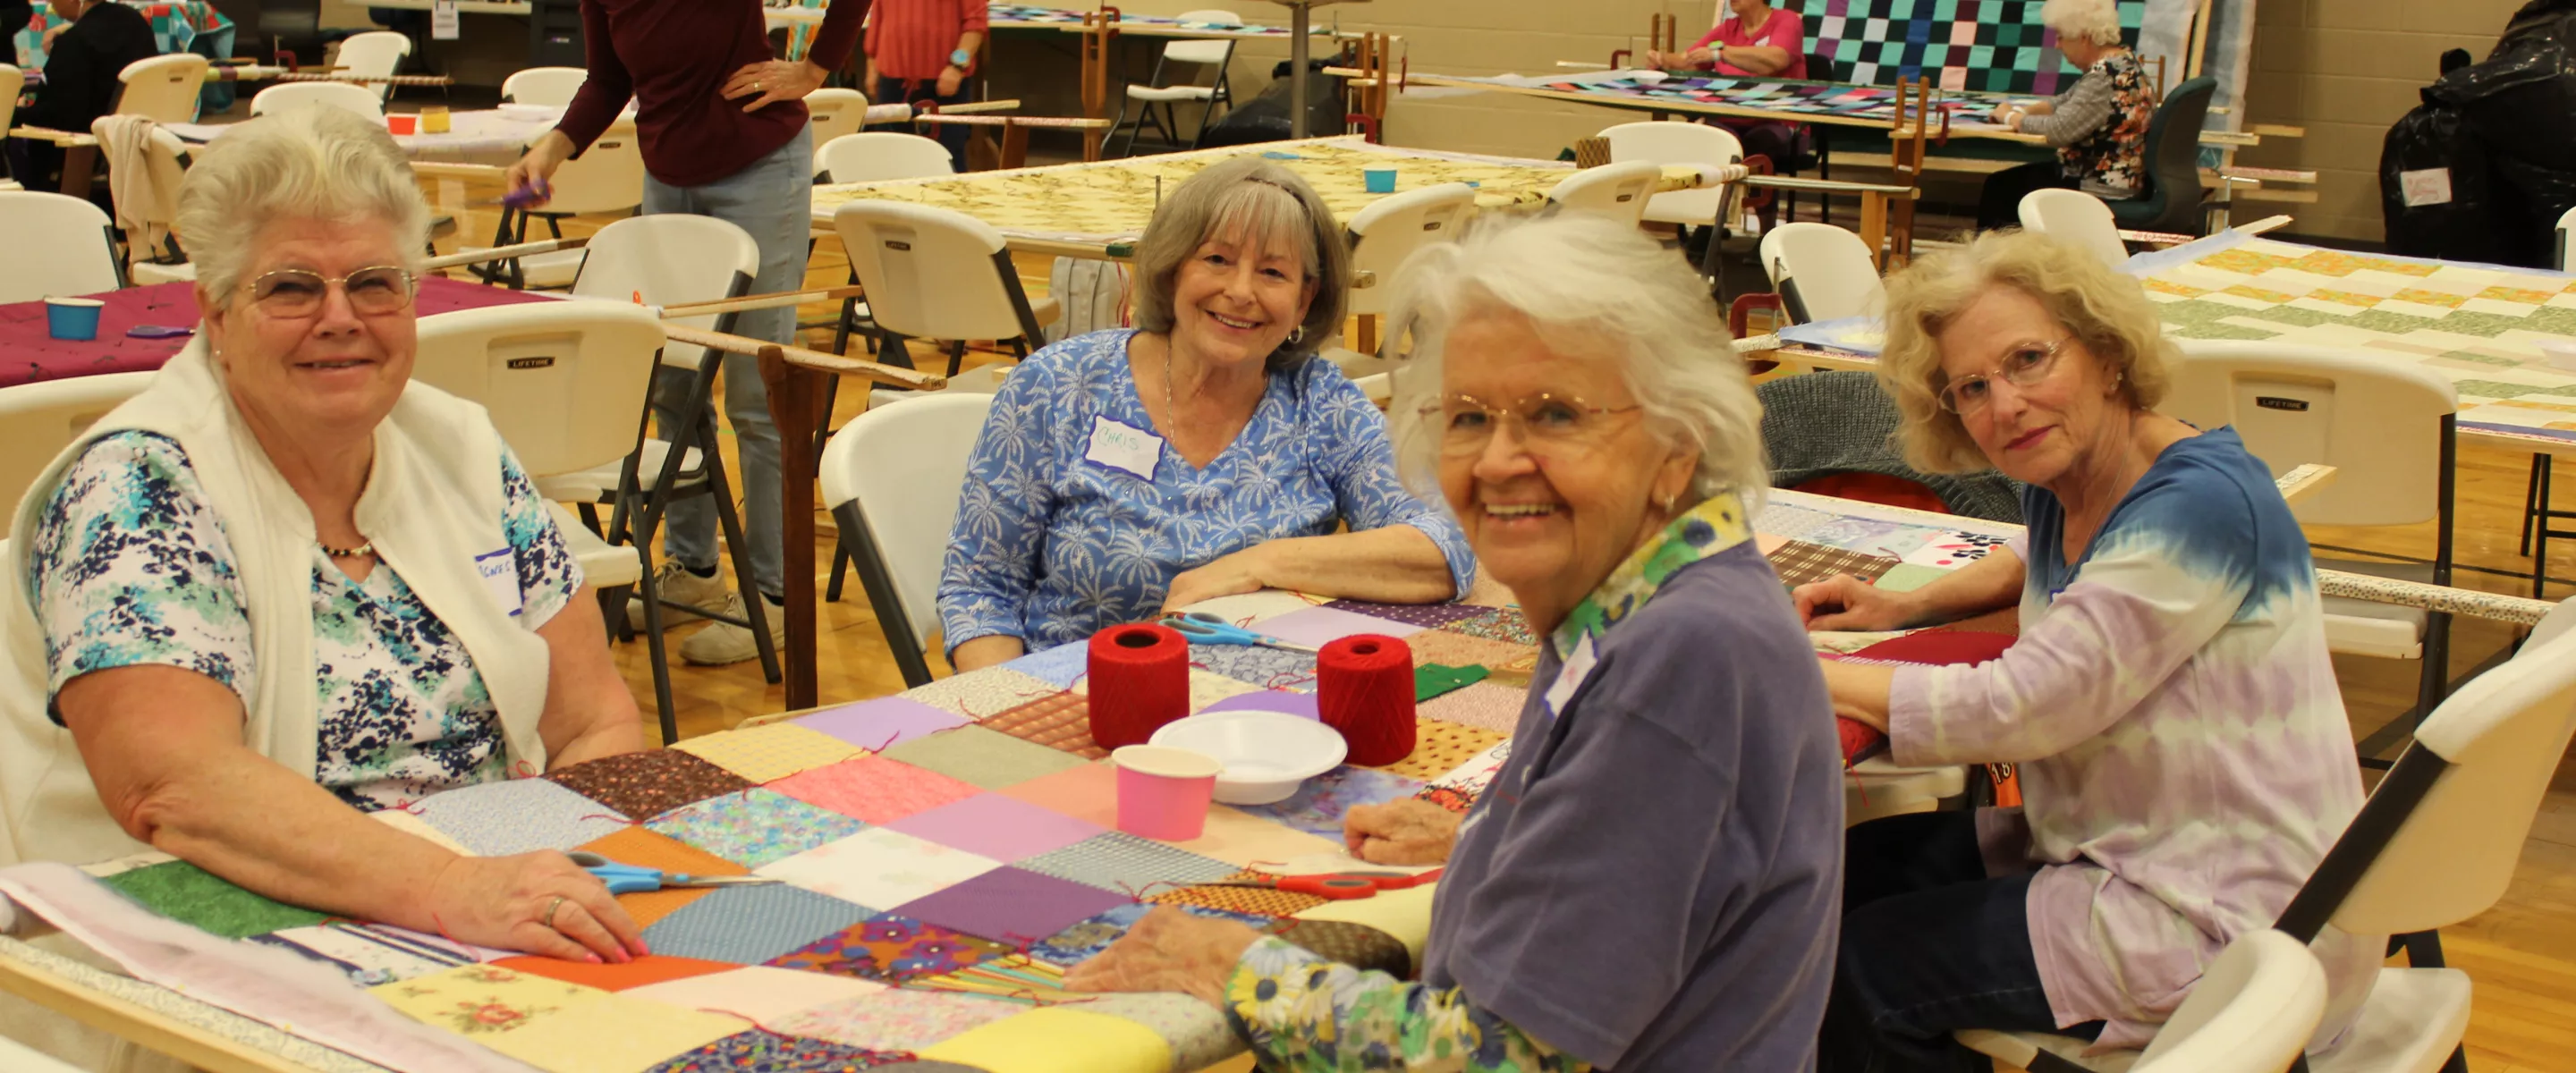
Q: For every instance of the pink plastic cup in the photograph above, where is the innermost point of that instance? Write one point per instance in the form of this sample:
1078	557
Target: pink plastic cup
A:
1163	793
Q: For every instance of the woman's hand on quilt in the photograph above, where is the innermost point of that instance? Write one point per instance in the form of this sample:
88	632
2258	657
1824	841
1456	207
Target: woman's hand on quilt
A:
1406	831
1168	950
1700	57
538	902
1230	575
1844	602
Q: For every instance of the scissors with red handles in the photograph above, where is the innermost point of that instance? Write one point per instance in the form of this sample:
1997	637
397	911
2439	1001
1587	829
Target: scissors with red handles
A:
1337	886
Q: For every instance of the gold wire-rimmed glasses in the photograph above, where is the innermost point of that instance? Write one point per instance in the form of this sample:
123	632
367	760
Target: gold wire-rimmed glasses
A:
2022	366
1549	421
375	290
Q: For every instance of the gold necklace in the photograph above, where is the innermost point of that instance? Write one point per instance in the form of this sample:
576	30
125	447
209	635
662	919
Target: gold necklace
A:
367	549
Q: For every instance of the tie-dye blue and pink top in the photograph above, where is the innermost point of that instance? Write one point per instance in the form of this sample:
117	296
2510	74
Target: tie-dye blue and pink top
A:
2185	761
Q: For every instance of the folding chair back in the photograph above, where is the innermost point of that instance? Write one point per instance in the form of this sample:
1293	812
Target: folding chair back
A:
2078	218
892	478
163	89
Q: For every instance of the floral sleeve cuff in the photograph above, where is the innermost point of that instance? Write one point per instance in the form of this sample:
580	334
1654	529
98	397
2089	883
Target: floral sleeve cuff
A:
1303	1014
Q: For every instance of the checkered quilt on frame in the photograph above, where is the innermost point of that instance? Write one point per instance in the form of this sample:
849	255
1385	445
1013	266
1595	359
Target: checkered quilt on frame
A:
1994	46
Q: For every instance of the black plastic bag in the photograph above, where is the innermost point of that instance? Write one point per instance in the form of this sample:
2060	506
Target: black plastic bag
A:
1265	118
2431	158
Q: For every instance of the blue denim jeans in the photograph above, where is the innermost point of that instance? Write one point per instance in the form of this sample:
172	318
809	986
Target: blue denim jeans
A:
772	198
1930	945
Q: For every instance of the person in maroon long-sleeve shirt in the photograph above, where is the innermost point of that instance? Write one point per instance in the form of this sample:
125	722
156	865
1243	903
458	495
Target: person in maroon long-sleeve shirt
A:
725	134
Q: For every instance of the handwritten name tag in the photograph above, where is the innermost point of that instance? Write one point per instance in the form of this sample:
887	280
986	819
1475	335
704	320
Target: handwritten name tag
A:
1121	446
500	570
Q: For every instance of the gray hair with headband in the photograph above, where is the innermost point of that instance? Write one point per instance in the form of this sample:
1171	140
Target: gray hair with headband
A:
1257	203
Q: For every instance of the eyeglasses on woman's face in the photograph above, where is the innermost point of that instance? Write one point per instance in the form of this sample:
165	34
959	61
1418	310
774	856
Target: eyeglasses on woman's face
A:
1549	422
2024	365
295	293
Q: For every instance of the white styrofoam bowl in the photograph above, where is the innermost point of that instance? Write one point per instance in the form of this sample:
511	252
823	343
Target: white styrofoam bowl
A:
1267	755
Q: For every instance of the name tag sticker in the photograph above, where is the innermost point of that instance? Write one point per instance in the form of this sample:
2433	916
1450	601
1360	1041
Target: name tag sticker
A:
500	570
1121	446
1578	666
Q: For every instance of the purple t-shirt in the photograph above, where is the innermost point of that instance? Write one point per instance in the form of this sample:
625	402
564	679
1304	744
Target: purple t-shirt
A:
1654	880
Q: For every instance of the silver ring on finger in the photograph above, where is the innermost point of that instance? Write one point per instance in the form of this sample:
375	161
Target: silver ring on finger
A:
551	908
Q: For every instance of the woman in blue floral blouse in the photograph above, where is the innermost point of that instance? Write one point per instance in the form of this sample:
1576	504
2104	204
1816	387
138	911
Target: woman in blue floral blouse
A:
1204	453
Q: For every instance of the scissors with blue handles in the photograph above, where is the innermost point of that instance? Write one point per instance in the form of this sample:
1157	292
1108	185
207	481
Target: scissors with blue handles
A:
1203	628
636	879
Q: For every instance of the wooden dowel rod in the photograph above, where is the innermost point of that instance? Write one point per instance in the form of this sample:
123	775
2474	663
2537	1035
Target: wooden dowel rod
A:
440	169
762	301
972	107
891	375
2268	223
502	253
2517	610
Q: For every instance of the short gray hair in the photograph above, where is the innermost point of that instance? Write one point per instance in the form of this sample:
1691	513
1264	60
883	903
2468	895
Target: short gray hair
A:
2097	21
1246	197
304	163
1587	282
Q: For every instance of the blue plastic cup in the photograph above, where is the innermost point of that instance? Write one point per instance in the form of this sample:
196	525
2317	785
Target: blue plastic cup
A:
1379	180
75	319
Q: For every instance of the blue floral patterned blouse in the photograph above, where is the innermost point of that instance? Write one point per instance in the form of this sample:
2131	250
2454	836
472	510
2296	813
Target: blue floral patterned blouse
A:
131	567
1052	544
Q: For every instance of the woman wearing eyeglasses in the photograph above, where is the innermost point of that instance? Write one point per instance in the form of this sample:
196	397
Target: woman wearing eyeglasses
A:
283	587
1650	883
2183	752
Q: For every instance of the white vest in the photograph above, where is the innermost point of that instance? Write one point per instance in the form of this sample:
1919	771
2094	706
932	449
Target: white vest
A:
433	502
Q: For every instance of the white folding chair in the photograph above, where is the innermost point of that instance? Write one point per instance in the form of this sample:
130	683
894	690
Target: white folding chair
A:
286	95
1382	235
152	253
836	113
11	81
1684	143
2075	217
872	156
553	86
607	178
39	419
376	54
1619	191
2536	510
163	89
1822	272
892	478
70	247
2251	1012
1215	55
2566	246
935	274
2387	428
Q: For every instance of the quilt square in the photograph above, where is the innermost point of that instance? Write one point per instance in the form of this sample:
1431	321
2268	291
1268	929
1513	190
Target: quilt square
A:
1086	938
1208	689
1007	1046
1485	706
647	784
1318	806
1060	666
1264	668
878	867
1012	905
1799	563
769	1052
1505	624
1240	838
750	925
483	1002
986	758
1268	700
1320	626
1426	616
1088	793
1196	1032
1431	680
873	789
875	725
1122	863
615	1032
649	969
755	827
192	895
891	948
647	849
977	695
1061	722
769	752
1259	901
1439	747
756	993
895	1020
1453	649
497	819
1003	828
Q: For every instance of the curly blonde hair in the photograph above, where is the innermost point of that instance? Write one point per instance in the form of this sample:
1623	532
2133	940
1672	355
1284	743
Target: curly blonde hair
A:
2104	309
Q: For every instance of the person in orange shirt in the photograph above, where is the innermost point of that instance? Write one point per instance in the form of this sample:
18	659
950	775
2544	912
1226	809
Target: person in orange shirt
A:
923	50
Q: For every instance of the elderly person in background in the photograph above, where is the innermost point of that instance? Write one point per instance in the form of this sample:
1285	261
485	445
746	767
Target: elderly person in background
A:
1758	41
284	587
1203	453
2184	756
2098	126
1650	882
97	40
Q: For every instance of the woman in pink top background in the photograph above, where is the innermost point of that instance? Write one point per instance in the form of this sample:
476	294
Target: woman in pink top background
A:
1760	41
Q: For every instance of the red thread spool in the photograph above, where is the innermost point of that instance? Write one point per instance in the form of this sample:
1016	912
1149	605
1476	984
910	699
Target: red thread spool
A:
1140	680
1364	687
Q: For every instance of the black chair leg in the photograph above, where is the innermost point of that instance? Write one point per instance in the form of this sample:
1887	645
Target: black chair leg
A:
655	648
840	573
2531	502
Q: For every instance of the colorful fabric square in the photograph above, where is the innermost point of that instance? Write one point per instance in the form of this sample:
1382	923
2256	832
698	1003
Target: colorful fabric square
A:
1195	1031
613	1033
364	956
1953	549
776	751
1320	626
1484	705
1088	793
192	895
1438	748
1256	900
1059	666
751	925
1265	668
1012	905
755	827
416	827
1085	939
1122	863
1404	915
982	693
1248	608
1800	563
1319	805
879	867
644	848
1011	977
1433	679
484	1002
987	758
651	969
1003	828
890	948
1037	1041
1356	945
755	993
759	1051
873	789
1239	838
877	724
497	819
1504	624
1268	700
1061	722
1907	577
1426	616
1478	771
1208	688
894	1020
1451	798
647	784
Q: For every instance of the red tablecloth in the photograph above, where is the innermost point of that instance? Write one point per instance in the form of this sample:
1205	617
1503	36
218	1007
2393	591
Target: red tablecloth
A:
27	354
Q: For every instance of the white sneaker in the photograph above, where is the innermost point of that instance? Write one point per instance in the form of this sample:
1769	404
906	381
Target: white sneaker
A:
677	585
723	642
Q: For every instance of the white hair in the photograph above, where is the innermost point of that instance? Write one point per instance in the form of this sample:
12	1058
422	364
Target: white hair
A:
316	163
2097	21
1589	285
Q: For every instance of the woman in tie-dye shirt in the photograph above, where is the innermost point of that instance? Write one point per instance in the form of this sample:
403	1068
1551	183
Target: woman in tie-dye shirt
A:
2184	756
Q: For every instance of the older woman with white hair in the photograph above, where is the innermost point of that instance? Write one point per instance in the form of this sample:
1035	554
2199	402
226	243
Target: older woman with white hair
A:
2098	126
1205	452
1650	883
285	587
2184	756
